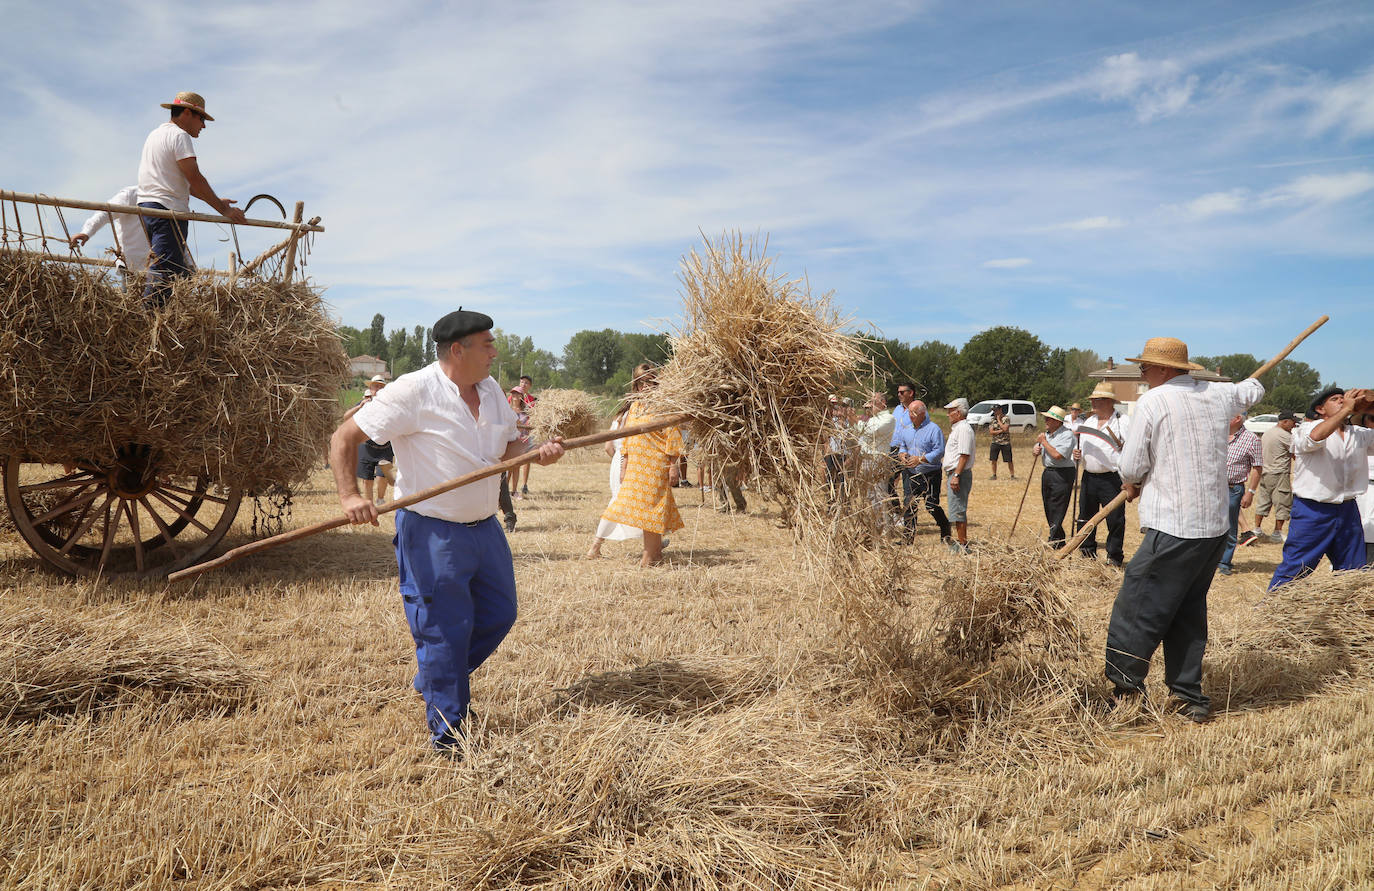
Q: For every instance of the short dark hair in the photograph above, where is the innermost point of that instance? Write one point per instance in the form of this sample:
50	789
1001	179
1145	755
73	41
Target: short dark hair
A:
526	377
908	384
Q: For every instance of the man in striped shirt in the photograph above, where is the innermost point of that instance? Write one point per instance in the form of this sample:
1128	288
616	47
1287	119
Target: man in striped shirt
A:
1244	459
1175	462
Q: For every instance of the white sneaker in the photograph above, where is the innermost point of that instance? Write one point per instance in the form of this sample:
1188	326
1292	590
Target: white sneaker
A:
1277	537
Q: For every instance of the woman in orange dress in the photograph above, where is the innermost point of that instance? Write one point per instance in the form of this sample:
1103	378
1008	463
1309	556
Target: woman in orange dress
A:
645	500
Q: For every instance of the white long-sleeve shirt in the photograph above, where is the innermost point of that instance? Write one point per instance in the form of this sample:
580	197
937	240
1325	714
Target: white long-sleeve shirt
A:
1100	456
128	229
1177	448
1335	469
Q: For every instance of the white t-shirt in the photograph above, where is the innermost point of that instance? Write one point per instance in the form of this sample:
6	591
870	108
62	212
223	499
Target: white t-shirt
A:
1335	469
960	442
1100	456
436	438
128	227
159	177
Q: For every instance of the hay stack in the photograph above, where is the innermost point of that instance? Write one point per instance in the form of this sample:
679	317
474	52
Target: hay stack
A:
238	383
565	413
753	364
52	662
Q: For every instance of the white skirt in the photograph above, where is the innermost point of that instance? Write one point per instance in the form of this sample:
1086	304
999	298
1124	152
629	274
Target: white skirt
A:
616	531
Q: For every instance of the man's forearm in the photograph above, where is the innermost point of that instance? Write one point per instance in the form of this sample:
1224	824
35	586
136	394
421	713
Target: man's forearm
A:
342	457
200	187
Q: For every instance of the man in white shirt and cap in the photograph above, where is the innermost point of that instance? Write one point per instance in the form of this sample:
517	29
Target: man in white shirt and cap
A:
1055	448
1175	462
456	576
168	175
1330	472
958	468
1101	436
130	241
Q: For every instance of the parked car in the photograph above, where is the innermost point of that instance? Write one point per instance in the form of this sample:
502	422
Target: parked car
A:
1020	413
1261	424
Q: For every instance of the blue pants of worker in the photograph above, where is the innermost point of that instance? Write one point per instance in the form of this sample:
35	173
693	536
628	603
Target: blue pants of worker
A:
1163	599
1237	493
458	585
1317	530
167	240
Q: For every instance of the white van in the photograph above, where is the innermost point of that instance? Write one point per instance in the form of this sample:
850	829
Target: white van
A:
1020	413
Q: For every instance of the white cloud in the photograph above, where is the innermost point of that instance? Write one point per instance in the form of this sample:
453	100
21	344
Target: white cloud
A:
1347	107
1215	203
1322	188
1007	263
1088	224
1156	88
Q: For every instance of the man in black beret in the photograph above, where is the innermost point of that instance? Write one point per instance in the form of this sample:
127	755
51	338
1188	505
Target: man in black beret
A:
457	581
1330	471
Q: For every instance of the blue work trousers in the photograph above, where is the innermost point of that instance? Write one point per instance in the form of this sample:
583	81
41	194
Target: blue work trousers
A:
171	257
458	585
1317	530
1237	493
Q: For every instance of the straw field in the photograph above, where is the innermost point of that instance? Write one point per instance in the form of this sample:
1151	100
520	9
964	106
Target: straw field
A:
713	722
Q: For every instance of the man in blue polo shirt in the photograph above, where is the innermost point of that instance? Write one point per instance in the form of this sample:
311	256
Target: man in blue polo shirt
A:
920	448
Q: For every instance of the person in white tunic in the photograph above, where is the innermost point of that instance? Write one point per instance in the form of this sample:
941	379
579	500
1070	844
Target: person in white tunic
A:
609	530
130	241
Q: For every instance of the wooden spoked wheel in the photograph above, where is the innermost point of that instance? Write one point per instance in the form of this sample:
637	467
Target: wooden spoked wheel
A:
126	519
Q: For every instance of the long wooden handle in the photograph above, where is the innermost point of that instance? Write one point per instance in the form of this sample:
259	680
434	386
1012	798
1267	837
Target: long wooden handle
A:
1120	499
1024	493
1283	354
1089	526
457	482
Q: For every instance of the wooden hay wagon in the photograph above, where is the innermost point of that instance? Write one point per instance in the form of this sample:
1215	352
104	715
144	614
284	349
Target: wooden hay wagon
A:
130	435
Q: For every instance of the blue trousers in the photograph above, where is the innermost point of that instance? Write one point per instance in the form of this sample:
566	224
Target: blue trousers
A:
1163	599
167	239
458	585
1317	530
1237	492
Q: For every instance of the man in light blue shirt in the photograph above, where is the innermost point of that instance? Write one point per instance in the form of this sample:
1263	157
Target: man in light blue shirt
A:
920	448
1055	448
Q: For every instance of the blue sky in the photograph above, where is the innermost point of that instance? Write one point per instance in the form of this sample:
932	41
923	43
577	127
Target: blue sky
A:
1094	172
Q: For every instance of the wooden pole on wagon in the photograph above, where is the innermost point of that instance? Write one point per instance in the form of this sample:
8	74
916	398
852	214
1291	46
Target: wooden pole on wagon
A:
457	482
1120	499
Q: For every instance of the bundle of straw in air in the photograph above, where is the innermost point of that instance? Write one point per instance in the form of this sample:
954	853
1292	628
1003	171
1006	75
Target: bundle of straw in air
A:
53	662
237	381
565	413
755	358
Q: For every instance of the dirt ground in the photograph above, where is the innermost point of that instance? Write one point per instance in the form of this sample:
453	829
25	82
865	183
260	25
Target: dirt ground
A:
690	725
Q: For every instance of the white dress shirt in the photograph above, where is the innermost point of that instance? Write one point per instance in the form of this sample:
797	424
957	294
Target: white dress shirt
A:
1177	449
1335	469
1367	505
875	434
960	442
436	438
128	229
1099	456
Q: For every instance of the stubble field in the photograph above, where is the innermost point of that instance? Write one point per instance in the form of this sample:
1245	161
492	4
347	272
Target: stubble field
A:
700	724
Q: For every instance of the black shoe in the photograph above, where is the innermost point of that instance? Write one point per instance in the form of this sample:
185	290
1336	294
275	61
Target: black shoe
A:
510	523
524	490
1194	711
1246	538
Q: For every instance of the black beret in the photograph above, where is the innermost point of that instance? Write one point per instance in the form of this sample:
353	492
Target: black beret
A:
1322	397
459	324
1287	415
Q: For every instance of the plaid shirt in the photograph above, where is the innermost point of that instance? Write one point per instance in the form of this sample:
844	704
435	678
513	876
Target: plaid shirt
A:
1242	452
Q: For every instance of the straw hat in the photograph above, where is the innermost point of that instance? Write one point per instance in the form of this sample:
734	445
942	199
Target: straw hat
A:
1103	391
1056	413
1167	351
377	379
193	101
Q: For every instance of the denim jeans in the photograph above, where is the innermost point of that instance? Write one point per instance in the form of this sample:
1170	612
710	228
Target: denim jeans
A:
1237	493
167	239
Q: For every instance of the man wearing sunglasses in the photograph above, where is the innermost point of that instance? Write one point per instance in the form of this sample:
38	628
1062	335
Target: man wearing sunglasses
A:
168	176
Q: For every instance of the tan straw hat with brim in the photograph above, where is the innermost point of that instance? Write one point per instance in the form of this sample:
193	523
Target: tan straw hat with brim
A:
1167	351
1103	391
193	101
377	379
1056	413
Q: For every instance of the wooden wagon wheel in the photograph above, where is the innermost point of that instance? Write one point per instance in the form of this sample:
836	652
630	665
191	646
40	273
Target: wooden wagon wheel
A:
125	519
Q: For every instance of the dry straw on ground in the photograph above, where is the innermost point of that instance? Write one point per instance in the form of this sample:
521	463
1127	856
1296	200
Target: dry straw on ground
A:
55	663
239	383
756	356
565	413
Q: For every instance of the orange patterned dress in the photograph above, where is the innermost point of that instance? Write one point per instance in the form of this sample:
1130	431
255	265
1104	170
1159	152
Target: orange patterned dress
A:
645	500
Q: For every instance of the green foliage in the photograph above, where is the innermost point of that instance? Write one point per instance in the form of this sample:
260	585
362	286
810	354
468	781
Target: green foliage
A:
1002	362
516	355
355	342
592	357
376	344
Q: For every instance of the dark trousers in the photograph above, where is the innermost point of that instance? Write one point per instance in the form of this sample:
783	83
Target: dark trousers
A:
167	239
1163	599
1318	530
507	506
924	487
834	475
1056	487
1235	492
1096	492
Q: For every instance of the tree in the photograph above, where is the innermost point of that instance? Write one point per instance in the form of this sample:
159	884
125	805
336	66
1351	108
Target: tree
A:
355	342
931	364
376	344
591	357
1236	366
1000	363
516	355
430	354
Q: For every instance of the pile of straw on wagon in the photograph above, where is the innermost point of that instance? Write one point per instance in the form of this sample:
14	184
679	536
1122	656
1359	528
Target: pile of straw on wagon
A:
235	380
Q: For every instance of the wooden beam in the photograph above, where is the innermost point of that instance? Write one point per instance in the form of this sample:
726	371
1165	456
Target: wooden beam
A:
46	201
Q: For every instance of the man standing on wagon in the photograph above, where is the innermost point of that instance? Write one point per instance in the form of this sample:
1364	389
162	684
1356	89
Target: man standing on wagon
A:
457	579
168	176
